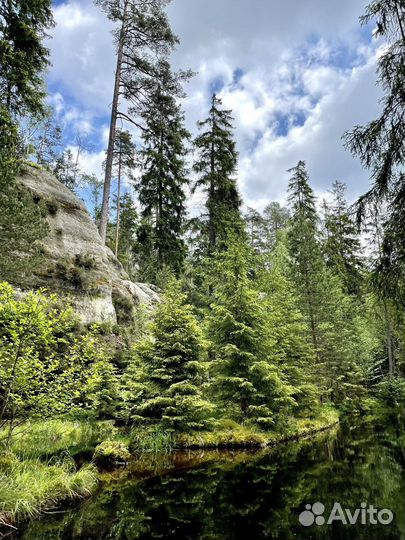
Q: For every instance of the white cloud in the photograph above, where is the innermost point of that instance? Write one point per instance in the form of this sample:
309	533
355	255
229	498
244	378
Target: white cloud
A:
306	75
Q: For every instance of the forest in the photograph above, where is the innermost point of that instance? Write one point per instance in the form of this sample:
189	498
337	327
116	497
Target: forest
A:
271	325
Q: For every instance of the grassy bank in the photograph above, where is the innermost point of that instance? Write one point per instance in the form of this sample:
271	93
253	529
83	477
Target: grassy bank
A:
30	487
230	434
43	439
38	472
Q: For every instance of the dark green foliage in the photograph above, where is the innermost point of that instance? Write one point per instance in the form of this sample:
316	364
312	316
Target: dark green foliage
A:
164	179
128	230
123	308
304	247
216	166
379	145
143	36
291	346
22	220
164	382
23	58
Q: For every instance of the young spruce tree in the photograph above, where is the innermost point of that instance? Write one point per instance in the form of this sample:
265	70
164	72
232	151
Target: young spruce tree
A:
247	381
164	382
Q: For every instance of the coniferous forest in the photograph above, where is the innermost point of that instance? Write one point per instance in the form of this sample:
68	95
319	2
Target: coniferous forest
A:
270	325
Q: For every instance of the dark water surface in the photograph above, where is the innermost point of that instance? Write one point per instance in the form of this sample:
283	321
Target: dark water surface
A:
246	496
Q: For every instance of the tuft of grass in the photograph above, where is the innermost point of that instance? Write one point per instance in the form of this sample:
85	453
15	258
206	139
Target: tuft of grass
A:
151	439
47	438
28	488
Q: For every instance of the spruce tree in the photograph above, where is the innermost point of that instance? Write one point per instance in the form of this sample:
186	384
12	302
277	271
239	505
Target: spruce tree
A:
276	219
23	56
216	166
247	381
304	247
161	189
291	345
165	380
342	244
379	145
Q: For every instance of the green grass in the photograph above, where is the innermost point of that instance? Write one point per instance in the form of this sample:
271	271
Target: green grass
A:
151	439
28	488
47	438
229	434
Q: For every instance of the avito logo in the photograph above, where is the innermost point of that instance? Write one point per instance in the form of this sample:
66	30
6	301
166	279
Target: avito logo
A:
365	515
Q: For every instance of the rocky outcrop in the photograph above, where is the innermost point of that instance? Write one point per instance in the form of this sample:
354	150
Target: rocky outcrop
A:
75	261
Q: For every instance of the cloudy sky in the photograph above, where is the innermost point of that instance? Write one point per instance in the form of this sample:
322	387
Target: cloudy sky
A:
296	73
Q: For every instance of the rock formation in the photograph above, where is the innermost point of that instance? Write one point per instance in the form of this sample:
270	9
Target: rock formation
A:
75	262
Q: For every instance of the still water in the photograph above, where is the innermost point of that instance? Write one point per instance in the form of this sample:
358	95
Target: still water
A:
247	496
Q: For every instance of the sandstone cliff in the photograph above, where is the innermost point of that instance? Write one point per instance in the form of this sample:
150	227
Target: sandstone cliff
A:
75	261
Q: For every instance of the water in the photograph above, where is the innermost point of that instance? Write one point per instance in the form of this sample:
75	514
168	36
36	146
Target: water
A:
245	496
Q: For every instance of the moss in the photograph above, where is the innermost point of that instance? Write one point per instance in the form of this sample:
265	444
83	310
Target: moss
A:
52	207
110	453
74	275
226	434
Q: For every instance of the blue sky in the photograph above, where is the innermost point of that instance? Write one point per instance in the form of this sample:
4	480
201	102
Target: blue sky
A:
295	74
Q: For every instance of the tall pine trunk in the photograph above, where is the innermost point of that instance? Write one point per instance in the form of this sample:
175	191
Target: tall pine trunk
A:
117	227
111	136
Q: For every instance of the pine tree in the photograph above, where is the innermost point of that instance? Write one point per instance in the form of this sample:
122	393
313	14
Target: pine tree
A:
143	33
124	163
247	381
216	166
342	244
162	185
164	382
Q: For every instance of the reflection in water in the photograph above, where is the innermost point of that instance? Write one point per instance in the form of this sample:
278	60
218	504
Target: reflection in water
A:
240	496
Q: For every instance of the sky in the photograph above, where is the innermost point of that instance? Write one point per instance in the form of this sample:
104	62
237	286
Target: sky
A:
296	74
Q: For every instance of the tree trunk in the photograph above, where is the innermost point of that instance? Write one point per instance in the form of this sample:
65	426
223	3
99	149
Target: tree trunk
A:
117	228
111	137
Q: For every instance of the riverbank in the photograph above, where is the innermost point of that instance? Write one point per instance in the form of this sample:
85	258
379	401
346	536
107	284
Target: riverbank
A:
39	472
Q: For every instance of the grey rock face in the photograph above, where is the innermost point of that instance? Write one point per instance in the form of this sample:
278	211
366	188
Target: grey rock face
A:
76	262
